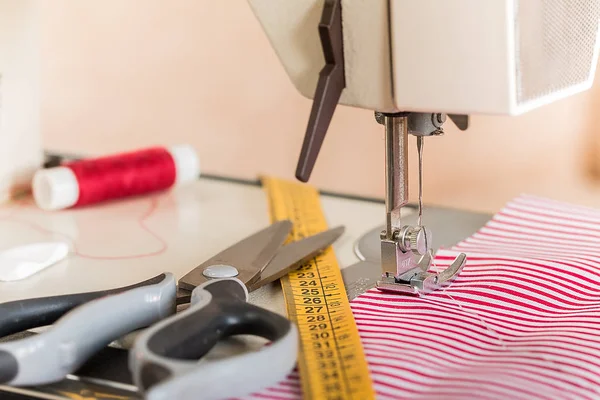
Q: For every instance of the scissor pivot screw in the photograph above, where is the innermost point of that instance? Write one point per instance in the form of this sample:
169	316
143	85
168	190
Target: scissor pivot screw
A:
220	271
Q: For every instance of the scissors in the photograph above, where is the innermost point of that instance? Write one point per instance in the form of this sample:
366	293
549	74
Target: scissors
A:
167	360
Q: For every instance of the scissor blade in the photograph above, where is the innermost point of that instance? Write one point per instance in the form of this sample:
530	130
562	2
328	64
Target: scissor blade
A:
249	256
294	254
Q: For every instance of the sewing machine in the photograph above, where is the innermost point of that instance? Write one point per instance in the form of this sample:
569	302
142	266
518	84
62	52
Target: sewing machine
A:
417	62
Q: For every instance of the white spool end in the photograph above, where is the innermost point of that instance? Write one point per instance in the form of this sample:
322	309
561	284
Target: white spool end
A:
187	163
55	188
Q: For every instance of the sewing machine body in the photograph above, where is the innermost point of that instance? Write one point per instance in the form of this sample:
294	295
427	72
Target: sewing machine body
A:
454	56
413	61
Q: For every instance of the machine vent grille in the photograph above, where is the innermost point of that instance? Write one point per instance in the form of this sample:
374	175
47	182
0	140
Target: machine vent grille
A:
556	45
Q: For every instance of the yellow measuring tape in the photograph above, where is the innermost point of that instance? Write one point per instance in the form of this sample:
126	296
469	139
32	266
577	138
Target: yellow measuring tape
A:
331	363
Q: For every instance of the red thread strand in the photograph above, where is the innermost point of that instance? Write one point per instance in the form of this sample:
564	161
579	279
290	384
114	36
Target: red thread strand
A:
141	222
123	175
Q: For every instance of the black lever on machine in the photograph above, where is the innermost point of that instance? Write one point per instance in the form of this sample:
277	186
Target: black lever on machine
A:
332	81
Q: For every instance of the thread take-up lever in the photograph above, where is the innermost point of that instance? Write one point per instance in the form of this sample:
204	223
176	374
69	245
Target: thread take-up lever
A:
332	81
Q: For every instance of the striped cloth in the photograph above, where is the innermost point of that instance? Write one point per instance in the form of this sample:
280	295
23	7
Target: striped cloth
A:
522	321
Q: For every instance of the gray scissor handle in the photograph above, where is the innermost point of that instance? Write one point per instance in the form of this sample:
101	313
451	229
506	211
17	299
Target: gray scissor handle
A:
73	339
20	315
167	359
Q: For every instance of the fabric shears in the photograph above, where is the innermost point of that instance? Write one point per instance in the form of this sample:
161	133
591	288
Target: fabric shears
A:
167	359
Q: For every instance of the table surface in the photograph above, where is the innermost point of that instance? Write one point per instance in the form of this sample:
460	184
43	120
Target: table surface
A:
127	241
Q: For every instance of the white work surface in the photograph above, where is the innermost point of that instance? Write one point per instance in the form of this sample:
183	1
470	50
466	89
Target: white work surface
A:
195	222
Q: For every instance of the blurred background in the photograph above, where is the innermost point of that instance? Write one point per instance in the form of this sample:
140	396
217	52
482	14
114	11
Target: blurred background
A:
122	74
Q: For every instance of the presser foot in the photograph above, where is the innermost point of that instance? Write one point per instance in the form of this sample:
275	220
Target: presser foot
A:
419	281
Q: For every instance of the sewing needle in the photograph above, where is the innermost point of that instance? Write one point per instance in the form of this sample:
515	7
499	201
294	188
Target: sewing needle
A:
420	151
420	145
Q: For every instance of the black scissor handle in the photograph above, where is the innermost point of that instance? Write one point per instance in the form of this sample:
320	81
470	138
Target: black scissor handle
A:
164	359
20	315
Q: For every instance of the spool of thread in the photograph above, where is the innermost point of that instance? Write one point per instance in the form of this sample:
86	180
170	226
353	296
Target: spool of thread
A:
95	180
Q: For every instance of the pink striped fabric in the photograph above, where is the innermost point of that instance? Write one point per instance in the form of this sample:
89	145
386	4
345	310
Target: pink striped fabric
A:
521	321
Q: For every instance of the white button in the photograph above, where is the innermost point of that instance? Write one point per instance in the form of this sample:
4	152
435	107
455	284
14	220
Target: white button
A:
220	271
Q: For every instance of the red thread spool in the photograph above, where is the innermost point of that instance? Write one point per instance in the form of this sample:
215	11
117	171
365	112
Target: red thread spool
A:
112	177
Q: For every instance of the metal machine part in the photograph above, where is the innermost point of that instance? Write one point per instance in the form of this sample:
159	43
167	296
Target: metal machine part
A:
398	242
401	271
450	225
